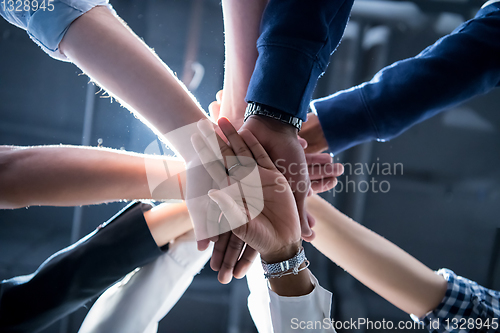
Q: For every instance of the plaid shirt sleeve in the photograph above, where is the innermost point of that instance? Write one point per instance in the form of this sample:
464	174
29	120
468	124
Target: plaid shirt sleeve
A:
466	307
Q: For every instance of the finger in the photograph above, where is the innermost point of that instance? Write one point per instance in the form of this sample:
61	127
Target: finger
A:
309	238
203	244
219	250
324	184
339	169
329	170
214	110
237	144
231	256
305	229
218	96
246	260
311	191
311	220
323	158
300	197
302	141
216	170
258	152
206	128
213	217
221	149
234	214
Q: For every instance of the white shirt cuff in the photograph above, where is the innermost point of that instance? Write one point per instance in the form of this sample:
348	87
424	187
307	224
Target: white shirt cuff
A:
307	313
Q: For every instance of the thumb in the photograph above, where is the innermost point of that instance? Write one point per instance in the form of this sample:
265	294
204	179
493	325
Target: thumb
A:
302	142
231	210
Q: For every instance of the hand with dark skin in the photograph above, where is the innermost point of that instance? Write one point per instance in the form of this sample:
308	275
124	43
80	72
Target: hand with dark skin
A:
227	257
275	231
281	143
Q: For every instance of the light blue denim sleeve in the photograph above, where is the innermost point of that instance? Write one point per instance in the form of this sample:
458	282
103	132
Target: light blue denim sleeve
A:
47	26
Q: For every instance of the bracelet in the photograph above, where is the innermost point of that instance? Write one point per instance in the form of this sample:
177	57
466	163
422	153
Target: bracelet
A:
280	269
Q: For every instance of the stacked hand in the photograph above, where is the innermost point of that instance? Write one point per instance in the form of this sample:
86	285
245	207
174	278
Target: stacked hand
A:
281	143
314	169
262	215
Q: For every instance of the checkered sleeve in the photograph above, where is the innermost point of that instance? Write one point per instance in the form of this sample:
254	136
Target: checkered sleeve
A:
466	307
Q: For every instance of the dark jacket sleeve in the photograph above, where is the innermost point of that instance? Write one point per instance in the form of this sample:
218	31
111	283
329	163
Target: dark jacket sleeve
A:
456	68
297	38
76	274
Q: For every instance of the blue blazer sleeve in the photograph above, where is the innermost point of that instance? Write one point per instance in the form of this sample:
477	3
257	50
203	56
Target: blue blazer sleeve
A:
297	38
73	276
457	67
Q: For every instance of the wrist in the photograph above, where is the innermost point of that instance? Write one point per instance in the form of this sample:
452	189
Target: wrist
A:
283	254
313	133
261	126
273	113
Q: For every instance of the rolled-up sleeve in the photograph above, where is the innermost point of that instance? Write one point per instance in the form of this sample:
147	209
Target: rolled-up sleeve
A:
467	302
47	26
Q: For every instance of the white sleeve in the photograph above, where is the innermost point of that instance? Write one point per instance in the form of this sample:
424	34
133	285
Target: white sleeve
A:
273	313
258	300
138	302
308	313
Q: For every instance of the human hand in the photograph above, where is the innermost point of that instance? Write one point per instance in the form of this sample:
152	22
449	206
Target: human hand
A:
323	172
203	211
227	258
281	143
313	133
224	107
275	231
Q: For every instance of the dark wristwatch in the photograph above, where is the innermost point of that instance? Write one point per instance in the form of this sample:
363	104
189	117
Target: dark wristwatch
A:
263	110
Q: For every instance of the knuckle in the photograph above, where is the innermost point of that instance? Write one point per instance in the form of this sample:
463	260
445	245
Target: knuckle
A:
241	150
227	265
235	244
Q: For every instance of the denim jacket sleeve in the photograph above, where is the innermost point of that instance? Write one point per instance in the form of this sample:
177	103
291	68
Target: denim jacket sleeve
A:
456	68
73	276
297	38
47	25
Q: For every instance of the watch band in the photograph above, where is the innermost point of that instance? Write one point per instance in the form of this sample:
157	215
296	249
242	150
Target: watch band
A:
279	269
262	110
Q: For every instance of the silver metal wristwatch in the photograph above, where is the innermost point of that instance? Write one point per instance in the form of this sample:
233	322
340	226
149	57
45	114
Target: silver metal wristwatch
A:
281	268
262	110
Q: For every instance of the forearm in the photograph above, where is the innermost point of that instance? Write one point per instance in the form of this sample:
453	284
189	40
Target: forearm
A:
114	57
167	222
456	68
68	176
241	31
374	261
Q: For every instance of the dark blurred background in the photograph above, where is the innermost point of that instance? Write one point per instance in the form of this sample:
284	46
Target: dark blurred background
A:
441	205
